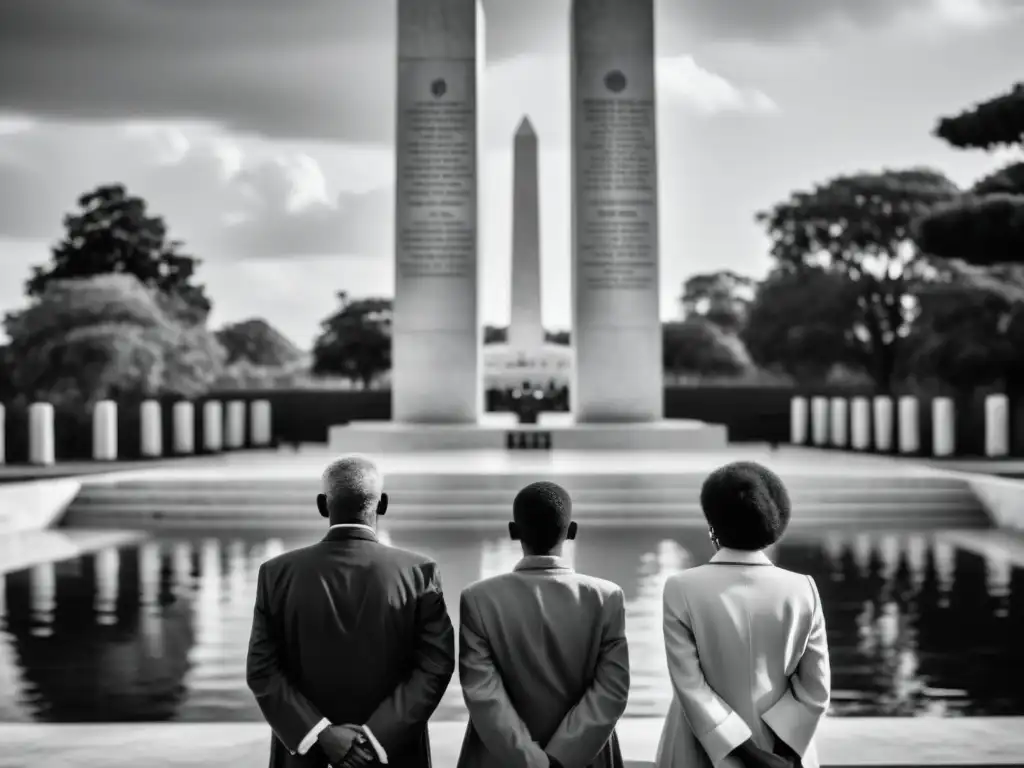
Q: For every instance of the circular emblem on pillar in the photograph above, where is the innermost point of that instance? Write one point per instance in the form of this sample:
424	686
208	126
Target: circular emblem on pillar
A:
615	81
439	88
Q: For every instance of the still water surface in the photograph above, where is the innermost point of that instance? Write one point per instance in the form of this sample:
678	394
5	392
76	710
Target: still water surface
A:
157	632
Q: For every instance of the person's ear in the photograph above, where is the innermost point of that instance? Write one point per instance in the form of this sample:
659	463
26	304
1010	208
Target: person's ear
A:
321	504
382	505
570	534
513	531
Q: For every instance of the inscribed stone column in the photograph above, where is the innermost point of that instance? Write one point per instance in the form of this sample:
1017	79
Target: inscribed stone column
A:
183	415
526	331
616	329
151	429
436	376
104	431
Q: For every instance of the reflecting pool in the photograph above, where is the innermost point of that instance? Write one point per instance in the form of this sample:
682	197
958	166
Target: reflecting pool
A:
917	626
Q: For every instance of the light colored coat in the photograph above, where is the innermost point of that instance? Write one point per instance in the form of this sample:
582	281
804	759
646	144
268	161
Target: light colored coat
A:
748	657
544	666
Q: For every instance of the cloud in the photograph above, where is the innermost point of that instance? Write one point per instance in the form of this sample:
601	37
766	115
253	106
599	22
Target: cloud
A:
787	21
683	79
226	200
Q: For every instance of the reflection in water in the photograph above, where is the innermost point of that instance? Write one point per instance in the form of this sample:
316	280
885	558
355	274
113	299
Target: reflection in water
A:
159	632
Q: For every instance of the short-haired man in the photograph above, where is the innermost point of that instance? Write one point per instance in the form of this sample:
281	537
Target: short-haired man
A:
543	660
351	646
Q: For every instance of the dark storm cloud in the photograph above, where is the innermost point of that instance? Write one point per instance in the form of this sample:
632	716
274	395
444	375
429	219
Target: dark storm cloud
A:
313	69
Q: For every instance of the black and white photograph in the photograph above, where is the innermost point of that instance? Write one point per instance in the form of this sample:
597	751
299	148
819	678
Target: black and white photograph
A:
512	383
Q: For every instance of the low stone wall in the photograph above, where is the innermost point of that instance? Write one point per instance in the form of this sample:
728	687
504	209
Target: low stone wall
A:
35	505
1002	499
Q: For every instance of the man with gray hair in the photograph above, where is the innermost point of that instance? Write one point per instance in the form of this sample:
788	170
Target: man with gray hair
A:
351	647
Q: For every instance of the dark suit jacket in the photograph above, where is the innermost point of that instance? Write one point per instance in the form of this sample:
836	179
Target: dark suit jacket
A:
544	667
356	632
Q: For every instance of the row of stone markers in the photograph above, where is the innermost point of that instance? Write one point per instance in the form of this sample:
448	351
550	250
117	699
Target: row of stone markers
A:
224	427
865	424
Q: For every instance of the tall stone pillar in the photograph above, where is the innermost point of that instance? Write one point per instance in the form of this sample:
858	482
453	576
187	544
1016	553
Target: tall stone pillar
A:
616	331
526	331
435	366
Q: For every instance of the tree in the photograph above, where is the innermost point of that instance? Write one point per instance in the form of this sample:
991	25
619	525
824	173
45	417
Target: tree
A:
355	341
969	331
805	322
563	338
257	342
985	225
114	234
860	227
495	334
106	336
699	347
721	297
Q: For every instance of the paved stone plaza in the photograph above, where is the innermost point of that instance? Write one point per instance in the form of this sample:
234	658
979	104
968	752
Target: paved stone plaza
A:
851	742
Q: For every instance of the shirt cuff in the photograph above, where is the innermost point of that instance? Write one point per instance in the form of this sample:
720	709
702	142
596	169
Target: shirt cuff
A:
382	756
307	743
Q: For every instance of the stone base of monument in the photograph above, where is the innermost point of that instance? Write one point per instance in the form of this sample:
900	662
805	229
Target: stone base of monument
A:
554	431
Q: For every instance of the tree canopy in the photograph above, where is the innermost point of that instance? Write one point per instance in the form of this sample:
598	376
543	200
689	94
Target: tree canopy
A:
257	342
984	226
720	297
859	227
87	339
699	347
355	341
114	233
804	322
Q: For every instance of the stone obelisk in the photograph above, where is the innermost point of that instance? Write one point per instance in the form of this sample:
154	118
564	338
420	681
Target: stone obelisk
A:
616	331
436	374
526	331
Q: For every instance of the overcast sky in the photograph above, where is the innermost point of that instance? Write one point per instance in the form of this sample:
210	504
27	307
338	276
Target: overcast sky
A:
262	130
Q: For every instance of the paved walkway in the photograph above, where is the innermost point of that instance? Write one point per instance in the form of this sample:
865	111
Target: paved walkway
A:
873	742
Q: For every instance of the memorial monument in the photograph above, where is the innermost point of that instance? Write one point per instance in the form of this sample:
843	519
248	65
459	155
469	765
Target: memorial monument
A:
436	370
617	385
526	358
618	373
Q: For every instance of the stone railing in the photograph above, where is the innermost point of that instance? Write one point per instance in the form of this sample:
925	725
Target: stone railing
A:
874	424
224	426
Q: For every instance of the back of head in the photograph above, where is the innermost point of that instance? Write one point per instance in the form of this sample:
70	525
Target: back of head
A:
746	504
353	487
542	513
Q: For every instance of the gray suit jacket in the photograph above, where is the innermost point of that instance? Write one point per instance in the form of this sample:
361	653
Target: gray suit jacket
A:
544	667
748	658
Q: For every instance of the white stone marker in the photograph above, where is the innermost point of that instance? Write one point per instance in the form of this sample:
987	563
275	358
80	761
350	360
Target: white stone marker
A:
997	425
819	420
618	376
104	431
3	434
213	426
839	413
235	437
436	346
943	427
151	429
882	406
260	423
909	424
41	444
860	423
798	420
183	419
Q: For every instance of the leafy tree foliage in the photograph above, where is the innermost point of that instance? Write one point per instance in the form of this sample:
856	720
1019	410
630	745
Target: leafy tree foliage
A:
113	233
697	346
355	342
558	337
804	322
495	335
720	297
970	329
986	225
104	336
258	343
860	228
